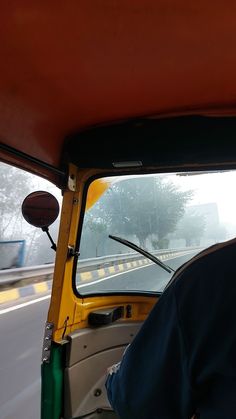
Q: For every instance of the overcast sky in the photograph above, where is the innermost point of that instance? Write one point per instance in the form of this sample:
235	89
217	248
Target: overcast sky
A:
215	187
210	187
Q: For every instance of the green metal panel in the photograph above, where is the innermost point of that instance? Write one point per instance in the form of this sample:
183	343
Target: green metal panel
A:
52	384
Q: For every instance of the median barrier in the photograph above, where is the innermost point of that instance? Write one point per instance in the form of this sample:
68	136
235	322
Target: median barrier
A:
40	277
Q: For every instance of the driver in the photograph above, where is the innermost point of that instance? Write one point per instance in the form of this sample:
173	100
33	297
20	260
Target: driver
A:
183	360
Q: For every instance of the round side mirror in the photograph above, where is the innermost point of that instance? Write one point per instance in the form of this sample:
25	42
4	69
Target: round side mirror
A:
40	209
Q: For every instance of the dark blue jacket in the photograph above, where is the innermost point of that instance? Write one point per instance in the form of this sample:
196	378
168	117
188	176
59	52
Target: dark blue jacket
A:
183	360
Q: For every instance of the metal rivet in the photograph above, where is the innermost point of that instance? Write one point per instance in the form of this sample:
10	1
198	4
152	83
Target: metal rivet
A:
97	392
49	326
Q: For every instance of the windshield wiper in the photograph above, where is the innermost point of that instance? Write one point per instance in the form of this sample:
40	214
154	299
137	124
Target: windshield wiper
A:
143	252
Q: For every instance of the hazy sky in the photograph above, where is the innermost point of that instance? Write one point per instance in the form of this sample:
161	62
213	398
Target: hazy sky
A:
215	187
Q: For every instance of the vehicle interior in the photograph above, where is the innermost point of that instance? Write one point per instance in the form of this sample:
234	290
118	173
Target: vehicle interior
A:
109	90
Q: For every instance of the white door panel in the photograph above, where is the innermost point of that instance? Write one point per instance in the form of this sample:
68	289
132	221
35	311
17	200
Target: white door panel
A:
90	352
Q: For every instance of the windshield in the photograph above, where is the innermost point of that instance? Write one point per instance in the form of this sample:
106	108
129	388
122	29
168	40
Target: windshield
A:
171	216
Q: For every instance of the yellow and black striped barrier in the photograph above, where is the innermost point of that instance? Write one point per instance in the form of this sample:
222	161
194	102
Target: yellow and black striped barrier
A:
90	275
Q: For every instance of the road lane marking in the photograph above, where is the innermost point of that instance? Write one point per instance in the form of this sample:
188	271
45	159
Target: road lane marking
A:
110	276
25	354
78	286
28	303
38	300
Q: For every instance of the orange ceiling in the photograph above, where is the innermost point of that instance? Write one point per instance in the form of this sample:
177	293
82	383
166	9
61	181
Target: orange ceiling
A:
67	65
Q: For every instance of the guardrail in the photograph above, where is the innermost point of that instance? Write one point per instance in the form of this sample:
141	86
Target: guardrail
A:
10	276
45	272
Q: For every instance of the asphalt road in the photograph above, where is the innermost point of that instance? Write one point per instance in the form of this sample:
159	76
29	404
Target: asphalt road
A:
151	278
21	334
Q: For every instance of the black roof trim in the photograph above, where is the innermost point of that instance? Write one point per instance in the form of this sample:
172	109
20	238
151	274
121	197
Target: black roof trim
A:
175	143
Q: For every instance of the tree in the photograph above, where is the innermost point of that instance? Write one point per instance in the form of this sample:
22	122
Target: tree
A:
98	228
150	205
191	228
141	207
216	232
15	185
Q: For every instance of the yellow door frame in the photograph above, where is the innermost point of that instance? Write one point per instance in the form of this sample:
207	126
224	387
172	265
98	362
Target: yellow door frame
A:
67	311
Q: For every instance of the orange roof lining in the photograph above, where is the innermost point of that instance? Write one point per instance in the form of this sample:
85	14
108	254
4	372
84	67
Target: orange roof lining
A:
68	66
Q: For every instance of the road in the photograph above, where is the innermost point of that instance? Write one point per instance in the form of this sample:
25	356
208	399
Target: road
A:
151	278
21	331
21	334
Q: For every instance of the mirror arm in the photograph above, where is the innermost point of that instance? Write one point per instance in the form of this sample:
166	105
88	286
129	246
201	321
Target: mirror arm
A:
54	246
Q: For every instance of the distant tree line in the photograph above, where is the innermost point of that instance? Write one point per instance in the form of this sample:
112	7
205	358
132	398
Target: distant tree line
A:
146	207
148	210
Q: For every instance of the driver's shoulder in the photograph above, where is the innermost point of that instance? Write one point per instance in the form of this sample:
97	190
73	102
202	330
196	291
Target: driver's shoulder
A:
205	267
